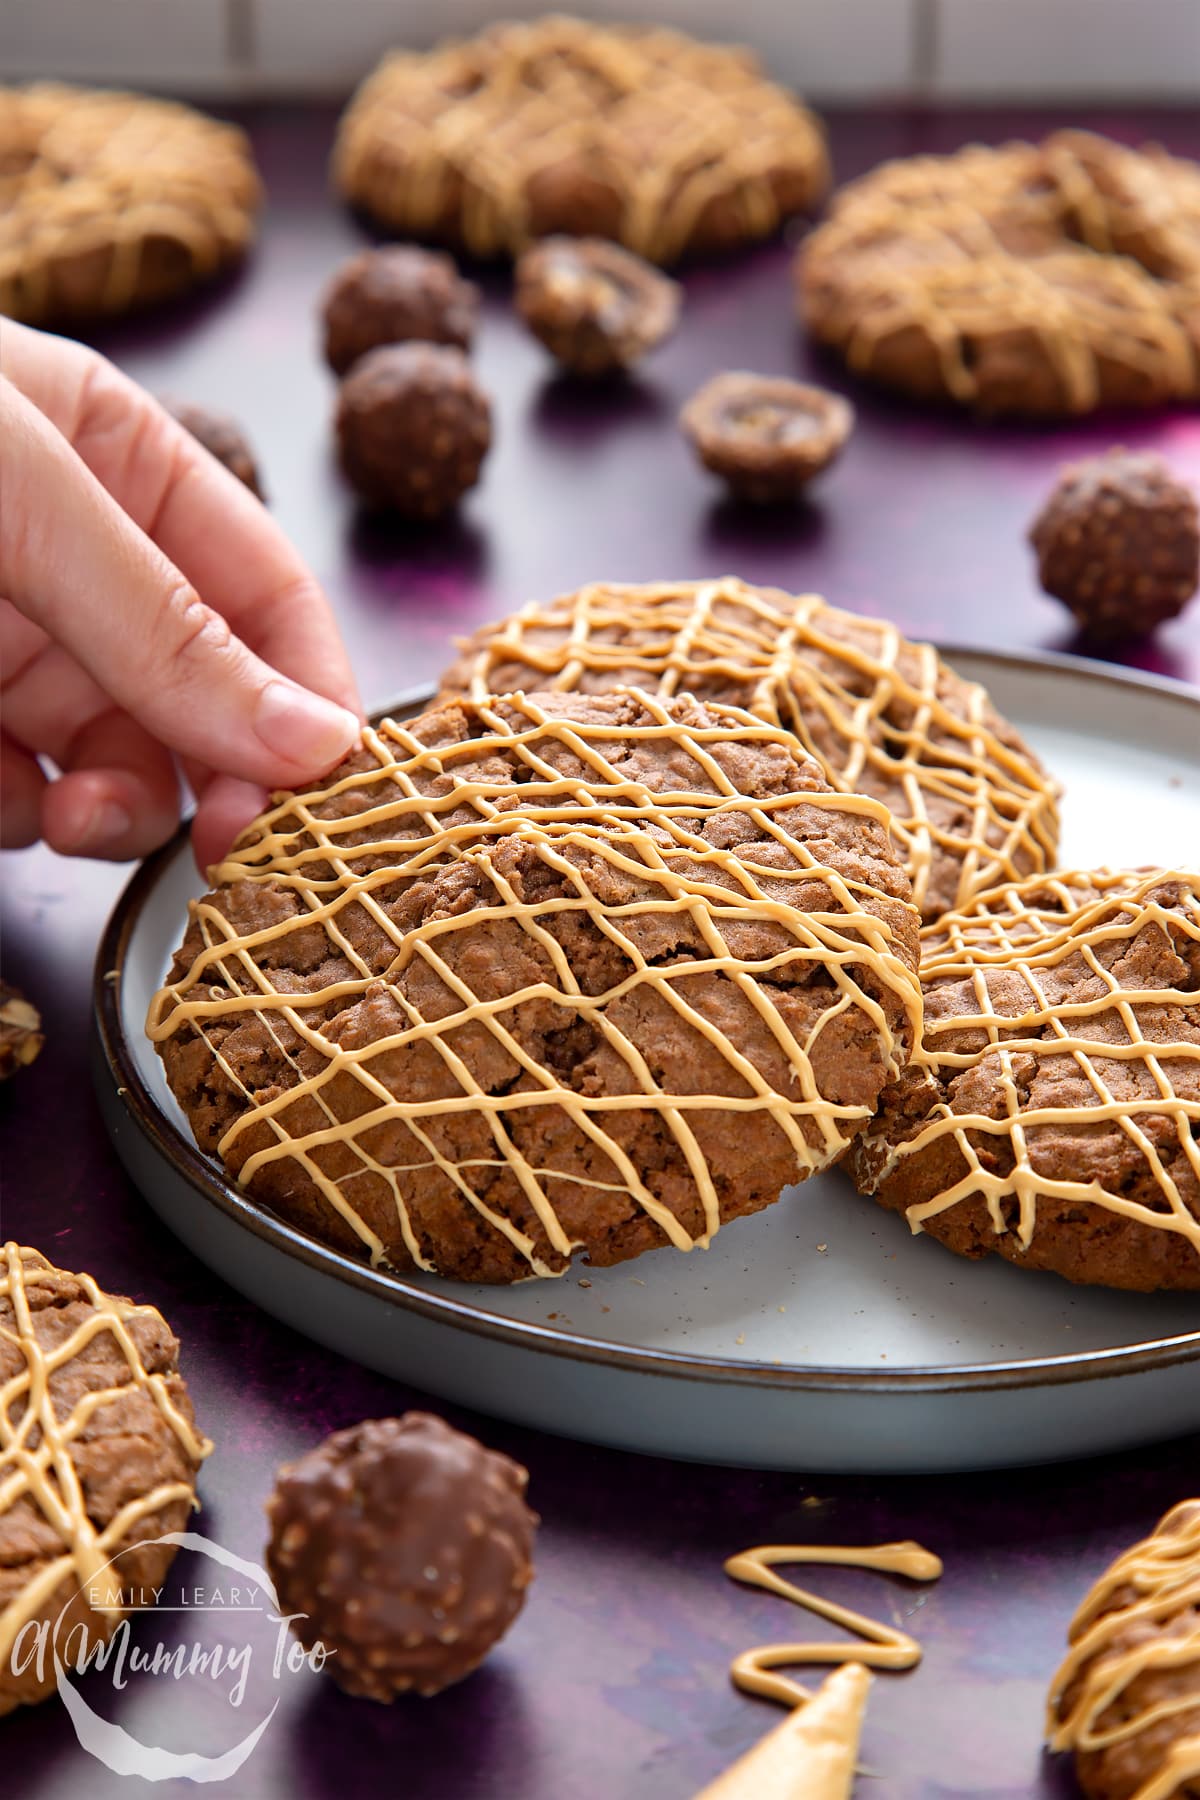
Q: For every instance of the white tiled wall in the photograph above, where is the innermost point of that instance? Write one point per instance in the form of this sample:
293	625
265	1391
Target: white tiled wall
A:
828	49
1069	47
147	43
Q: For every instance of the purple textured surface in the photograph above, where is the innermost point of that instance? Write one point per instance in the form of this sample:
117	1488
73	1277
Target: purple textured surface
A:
613	1682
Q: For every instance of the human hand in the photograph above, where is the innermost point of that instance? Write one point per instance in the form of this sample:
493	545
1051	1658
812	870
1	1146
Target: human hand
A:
151	609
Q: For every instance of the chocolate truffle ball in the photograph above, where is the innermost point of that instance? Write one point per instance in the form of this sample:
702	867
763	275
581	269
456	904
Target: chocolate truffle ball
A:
595	306
413	428
1118	542
222	437
765	436
392	295
407	1548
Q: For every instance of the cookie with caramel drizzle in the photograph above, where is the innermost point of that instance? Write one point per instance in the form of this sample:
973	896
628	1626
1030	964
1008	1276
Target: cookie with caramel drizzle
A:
667	145
970	804
542	974
110	201
98	1460
1046	278
1053	1115
1126	1701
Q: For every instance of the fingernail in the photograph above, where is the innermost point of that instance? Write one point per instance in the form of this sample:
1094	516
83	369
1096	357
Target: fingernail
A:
302	727
106	824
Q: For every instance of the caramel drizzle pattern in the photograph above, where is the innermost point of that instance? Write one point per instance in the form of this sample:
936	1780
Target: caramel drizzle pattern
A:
880	1647
768	647
1006	930
98	170
956	280
1156	1583
609	816
470	125
45	1472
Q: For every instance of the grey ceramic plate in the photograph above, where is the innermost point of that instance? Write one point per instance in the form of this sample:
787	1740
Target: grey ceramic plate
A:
818	1335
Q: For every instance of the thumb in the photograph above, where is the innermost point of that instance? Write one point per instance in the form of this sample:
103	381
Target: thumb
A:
79	567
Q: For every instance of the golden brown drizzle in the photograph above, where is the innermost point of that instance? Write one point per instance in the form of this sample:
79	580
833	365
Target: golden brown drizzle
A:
957	248
1030	929
43	1471
882	1646
805	665
411	831
84	173
1093	1704
671	126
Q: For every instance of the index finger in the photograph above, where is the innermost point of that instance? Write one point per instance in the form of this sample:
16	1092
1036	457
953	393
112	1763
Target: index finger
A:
209	526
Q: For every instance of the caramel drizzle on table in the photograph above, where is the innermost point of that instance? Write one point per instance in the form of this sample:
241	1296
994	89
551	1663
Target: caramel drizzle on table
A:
930	243
1013	929
1157	1583
672	125
96	171
880	1646
699	632
601	811
45	1472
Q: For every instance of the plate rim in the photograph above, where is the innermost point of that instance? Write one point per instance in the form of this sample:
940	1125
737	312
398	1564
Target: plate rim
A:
202	1175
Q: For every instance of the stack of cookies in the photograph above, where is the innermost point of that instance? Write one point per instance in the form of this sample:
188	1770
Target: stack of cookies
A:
677	895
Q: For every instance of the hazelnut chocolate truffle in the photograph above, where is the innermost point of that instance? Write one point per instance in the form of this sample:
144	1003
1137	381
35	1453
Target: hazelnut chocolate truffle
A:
413	428
594	306
20	1031
766	437
403	1546
222	437
1118	542
392	295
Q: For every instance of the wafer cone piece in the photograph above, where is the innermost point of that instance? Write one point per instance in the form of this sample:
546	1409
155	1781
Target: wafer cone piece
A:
812	1755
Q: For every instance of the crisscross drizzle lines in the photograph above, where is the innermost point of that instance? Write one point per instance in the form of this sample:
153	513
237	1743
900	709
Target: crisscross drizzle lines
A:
83	172
1030	929
430	808
961	248
1157	1584
44	1472
881	715
668	125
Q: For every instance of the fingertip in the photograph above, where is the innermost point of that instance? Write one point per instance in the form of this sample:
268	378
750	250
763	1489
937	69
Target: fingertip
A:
303	728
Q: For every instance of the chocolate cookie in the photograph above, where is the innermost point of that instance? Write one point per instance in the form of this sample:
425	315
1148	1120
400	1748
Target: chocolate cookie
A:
1052	1117
540	975
970	804
646	136
1127	1699
112	201
98	1459
1045	279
